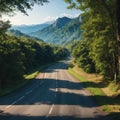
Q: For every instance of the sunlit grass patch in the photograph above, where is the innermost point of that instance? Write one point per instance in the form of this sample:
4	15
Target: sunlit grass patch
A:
94	90
31	76
113	87
108	103
27	78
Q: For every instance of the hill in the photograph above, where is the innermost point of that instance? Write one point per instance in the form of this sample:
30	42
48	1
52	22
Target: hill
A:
17	33
61	32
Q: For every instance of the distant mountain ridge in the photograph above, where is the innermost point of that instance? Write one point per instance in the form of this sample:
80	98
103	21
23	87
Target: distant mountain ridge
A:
30	28
62	31
17	33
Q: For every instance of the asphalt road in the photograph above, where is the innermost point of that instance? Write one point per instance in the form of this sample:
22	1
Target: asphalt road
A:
53	95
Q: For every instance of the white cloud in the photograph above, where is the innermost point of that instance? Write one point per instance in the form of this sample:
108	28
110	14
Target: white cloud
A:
53	18
69	15
49	19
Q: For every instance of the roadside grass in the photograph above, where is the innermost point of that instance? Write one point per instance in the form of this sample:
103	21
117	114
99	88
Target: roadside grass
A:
96	87
27	78
113	87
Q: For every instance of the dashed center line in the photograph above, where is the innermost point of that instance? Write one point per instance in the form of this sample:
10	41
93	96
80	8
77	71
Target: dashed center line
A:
56	89
44	75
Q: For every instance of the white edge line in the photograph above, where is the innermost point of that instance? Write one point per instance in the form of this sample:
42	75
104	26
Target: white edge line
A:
28	92
15	102
51	109
22	96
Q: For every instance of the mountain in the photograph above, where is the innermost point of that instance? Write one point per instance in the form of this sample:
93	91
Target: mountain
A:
30	28
17	33
61	32
60	22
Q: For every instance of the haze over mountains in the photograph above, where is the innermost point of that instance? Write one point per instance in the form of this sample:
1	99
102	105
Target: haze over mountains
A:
64	30
18	33
30	28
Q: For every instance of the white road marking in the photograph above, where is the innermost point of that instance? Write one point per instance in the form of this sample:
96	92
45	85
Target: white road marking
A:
44	75
51	109
56	80
29	92
56	75
56	84
56	89
20	98
15	102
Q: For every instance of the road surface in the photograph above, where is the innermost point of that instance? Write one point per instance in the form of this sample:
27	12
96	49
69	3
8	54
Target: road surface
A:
53	95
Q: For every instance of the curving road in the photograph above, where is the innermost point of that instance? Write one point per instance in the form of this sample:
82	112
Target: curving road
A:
53	95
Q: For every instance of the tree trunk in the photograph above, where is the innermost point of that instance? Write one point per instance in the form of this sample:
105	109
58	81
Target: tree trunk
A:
117	63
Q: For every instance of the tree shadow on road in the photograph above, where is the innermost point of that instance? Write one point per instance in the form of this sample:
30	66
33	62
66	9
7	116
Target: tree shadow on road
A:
45	94
68	94
6	116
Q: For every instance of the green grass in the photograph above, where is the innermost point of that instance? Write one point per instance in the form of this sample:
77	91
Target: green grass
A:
31	75
95	91
113	87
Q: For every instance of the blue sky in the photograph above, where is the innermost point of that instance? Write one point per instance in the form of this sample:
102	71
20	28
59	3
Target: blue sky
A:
41	14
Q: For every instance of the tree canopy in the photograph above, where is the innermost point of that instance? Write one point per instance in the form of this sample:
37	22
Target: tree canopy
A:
9	6
101	32
19	55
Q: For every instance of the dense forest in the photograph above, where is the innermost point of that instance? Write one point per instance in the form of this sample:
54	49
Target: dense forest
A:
18	55
98	50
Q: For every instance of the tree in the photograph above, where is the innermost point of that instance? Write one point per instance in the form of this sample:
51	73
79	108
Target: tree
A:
9	6
118	30
19	55
99	27
4	27
11	62
81	54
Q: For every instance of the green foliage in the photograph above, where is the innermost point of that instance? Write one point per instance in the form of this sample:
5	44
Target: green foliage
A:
99	32
9	6
11	61
60	34
20	55
60	52
4	25
81	54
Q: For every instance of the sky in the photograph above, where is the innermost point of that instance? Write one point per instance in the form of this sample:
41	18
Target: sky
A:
40	14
